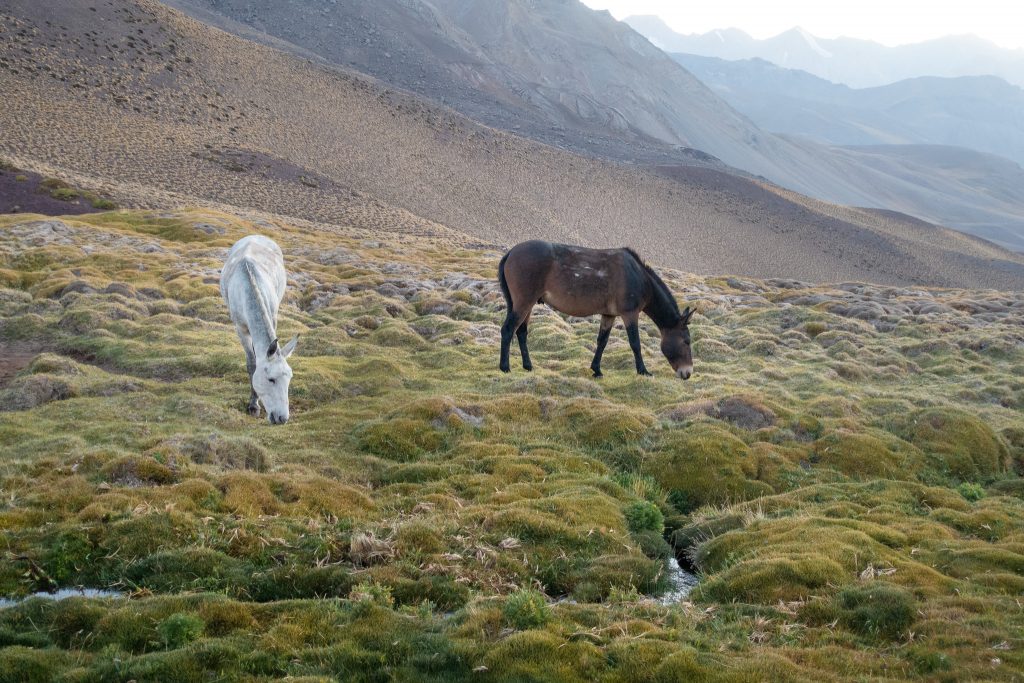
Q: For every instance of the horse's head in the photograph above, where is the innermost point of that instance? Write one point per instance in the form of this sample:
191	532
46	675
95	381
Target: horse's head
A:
675	344
271	380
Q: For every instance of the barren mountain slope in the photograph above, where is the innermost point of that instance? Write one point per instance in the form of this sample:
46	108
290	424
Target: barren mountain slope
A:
564	74
145	101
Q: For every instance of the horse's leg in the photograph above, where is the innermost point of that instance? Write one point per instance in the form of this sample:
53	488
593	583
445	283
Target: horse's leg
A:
524	329
513	321
250	365
607	322
633	332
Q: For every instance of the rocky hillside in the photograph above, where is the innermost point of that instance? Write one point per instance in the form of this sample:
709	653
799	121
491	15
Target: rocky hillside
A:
206	120
843	473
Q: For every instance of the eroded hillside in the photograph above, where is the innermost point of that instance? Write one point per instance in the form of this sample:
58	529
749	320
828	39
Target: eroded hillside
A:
843	472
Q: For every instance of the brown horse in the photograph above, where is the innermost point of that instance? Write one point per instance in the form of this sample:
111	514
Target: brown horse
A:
578	281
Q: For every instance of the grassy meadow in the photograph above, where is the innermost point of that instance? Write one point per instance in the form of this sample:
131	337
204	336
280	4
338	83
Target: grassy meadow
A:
843	473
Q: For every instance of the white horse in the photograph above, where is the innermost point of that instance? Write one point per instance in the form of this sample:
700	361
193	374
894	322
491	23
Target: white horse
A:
252	284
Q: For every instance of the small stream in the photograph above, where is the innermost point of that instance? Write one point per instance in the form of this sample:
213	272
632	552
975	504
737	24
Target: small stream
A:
63	594
681	582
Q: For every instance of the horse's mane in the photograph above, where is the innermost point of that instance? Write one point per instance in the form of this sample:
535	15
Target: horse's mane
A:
663	307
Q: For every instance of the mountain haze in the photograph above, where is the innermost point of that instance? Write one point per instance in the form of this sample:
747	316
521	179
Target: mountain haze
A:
854	62
984	113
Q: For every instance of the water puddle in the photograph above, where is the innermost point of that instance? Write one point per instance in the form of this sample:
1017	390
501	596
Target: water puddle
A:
63	594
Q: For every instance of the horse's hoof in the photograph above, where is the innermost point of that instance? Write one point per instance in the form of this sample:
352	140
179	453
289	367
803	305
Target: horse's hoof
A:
598	374
528	368
254	411
506	370
645	373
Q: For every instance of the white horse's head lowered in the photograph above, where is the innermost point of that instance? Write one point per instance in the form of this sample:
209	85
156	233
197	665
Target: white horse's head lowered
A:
271	380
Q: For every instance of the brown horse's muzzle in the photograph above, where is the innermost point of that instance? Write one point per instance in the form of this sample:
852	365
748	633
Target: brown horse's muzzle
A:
685	371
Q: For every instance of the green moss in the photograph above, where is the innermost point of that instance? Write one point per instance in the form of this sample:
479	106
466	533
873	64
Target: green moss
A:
19	664
103	204
228	452
134	470
376	536
867	456
684	666
878	610
607	574
704	464
768	580
601	424
400	439
961	446
223	617
541	656
65	194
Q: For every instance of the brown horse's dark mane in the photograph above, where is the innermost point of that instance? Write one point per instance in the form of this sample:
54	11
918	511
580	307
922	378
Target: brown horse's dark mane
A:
663	309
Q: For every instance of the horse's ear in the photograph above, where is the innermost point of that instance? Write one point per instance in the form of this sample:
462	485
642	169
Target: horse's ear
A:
687	314
289	348
273	349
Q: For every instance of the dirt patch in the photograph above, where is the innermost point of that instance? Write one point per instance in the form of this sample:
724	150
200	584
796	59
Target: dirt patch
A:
26	192
14	358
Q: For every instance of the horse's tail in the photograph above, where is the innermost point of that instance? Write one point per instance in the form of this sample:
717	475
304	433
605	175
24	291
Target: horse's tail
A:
503	282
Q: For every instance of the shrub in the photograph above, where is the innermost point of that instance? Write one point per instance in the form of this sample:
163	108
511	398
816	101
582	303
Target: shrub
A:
372	593
178	630
526	609
644	516
64	194
970	491
103	204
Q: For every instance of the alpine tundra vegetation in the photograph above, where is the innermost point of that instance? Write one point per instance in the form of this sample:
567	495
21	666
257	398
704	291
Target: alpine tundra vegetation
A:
842	473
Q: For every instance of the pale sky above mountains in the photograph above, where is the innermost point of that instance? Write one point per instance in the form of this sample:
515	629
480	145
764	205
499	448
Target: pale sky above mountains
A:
890	22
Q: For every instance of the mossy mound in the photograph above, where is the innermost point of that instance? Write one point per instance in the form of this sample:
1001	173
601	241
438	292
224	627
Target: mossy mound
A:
867	455
704	464
960	446
603	424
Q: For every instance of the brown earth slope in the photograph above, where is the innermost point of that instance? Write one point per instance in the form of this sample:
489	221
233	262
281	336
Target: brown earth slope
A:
156	108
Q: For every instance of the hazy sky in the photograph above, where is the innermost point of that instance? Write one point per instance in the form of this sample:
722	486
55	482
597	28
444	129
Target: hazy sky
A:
892	22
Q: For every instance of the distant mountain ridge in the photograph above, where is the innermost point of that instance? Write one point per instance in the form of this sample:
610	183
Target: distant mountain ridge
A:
850	61
984	113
